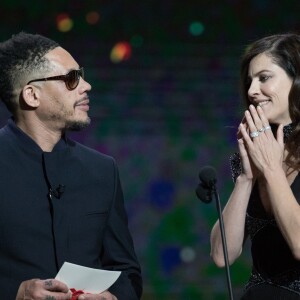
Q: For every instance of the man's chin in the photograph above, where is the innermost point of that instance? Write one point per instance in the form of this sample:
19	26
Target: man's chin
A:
78	125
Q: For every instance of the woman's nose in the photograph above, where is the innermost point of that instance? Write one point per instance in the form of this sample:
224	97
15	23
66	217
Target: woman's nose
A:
253	89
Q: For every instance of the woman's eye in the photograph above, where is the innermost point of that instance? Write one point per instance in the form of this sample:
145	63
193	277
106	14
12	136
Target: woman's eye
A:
264	78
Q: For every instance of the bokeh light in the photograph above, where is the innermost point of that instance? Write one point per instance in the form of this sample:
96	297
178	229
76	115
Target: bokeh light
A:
92	17
64	23
120	52
187	254
196	28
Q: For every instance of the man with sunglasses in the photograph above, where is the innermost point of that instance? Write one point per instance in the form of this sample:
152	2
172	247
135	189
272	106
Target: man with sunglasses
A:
59	200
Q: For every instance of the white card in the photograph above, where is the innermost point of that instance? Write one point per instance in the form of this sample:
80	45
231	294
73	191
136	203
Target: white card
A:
89	280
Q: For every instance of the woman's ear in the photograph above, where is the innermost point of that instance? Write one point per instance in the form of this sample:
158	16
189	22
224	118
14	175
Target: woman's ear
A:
30	95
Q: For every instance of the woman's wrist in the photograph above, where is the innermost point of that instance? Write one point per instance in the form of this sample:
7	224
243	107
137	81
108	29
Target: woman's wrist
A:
274	173
244	179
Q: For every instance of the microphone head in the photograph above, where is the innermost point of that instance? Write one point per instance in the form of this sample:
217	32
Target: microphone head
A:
203	194
208	177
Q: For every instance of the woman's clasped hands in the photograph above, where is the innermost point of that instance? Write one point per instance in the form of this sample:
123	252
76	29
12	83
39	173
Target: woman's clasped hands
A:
260	151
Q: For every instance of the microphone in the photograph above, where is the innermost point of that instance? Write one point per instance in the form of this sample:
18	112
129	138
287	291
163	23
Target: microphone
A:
205	191
206	187
208	177
58	192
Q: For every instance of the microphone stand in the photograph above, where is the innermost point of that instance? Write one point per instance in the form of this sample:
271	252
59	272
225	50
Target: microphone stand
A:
224	244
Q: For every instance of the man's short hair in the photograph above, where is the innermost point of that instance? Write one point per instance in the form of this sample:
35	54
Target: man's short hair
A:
22	56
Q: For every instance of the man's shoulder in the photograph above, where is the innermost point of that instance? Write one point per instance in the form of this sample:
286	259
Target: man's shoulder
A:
4	135
88	152
3	131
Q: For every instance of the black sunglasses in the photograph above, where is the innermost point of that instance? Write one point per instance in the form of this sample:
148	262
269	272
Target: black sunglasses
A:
71	79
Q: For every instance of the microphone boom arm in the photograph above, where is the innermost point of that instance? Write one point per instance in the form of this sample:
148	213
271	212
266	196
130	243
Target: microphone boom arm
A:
224	244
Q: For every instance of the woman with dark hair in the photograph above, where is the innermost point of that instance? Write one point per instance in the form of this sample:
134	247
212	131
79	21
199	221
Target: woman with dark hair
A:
265	202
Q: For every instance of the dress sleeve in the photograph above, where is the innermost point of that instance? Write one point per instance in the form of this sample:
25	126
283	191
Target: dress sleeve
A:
235	165
118	252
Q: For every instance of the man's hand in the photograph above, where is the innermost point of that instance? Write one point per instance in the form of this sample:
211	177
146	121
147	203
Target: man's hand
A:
50	289
103	296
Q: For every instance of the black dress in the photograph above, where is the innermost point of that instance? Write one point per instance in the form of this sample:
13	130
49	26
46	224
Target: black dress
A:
275	272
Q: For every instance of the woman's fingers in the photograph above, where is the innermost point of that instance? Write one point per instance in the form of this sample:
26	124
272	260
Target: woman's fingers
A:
266	128
257	122
245	135
256	118
243	122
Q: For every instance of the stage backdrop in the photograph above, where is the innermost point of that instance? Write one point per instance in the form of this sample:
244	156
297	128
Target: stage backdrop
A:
164	103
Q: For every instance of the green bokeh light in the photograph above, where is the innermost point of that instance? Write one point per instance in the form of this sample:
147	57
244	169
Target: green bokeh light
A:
196	28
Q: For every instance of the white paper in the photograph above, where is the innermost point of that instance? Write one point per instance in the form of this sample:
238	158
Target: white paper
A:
89	280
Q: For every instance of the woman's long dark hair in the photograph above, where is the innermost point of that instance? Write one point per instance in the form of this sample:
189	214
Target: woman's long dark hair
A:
284	49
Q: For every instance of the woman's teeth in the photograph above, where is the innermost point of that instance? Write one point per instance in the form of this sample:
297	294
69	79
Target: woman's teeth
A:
263	103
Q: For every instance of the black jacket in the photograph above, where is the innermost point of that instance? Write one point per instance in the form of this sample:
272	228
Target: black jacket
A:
64	205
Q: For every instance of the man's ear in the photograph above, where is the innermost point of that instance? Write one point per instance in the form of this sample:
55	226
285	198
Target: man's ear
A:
30	95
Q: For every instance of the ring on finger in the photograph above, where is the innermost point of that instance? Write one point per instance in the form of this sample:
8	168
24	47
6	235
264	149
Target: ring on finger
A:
263	129
254	134
267	128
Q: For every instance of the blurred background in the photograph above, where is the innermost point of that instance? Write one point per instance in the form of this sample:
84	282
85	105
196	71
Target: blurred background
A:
165	102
